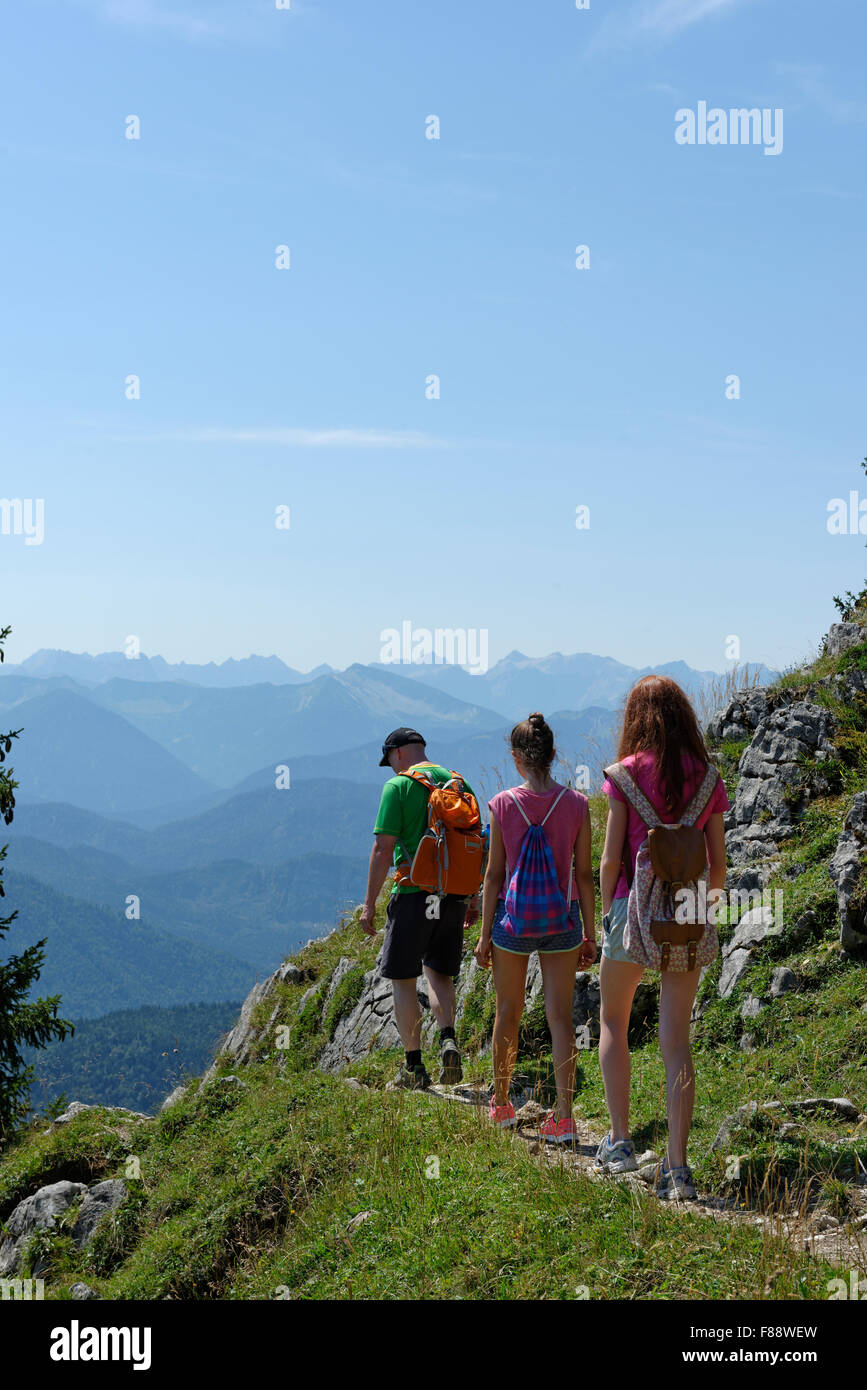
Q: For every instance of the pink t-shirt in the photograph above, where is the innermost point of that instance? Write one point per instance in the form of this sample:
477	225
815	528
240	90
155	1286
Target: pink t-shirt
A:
643	768
561	827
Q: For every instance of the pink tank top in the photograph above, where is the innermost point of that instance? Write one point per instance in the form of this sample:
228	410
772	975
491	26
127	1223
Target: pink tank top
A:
561	827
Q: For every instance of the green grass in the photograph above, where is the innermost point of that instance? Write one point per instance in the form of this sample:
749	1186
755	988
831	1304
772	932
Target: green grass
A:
255	1200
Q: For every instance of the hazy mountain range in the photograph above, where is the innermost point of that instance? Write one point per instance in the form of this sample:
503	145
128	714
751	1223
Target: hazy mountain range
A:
511	687
93	670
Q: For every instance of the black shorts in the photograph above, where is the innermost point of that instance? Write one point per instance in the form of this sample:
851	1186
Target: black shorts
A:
414	936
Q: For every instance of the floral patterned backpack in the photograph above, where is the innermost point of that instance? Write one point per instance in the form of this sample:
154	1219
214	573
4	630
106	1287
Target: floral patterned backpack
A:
666	915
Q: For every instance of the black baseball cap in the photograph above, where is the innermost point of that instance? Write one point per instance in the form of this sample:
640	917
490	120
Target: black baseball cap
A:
396	739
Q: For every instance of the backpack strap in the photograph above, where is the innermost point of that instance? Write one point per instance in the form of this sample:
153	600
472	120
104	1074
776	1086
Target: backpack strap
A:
557	801
701	797
519	806
417	775
626	783
547	813
556	804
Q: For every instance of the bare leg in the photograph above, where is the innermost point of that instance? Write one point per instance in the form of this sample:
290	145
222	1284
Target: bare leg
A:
675	1007
407	1013
558	980
510	978
441	991
618	982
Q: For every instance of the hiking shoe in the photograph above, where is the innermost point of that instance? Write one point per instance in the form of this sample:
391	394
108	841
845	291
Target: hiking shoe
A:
452	1071
412	1078
503	1116
555	1131
676	1185
615	1158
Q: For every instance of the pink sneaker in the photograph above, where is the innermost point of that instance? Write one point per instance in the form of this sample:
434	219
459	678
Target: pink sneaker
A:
559	1131
503	1116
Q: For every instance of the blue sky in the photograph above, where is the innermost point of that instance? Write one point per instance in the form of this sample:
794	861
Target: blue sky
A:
306	387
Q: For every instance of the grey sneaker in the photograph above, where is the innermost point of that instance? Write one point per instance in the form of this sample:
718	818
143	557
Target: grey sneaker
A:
615	1158
412	1078
452	1071
676	1185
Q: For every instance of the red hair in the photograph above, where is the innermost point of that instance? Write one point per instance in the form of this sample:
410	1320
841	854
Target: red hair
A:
659	719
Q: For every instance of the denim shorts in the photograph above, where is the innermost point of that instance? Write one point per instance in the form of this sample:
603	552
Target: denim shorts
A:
613	927
545	945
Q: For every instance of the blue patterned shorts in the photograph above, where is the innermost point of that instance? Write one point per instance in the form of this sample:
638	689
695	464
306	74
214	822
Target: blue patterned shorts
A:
545	945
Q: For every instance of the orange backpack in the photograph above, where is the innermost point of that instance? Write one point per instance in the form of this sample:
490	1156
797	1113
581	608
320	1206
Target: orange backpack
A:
450	854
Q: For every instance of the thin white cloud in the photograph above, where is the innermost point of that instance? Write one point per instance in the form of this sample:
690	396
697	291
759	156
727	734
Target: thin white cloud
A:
295	438
143	14
670	16
195	21
658	20
811	83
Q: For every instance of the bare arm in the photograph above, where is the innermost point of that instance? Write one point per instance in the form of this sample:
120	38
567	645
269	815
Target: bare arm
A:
715	840
381	857
584	879
494	875
612	854
586	891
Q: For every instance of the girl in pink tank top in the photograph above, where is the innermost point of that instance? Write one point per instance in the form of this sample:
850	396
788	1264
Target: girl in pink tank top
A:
567	829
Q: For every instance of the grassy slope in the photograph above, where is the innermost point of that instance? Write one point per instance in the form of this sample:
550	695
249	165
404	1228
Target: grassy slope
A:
243	1196
249	1194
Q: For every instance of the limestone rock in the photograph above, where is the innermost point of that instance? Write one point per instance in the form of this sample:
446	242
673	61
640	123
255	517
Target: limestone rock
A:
35	1213
99	1201
839	1106
77	1107
82	1291
802	930
369	1025
74	1108
842	636
230	1082
585	1002
752	1006
740	717
239	1042
823	1221
342	967
176	1095
783	981
771	793
532	1113
846	870
735	965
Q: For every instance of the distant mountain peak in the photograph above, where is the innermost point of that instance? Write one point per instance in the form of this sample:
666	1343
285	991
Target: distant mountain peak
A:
95	669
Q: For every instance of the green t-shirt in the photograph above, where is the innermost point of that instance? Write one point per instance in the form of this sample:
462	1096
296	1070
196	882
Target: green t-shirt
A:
403	813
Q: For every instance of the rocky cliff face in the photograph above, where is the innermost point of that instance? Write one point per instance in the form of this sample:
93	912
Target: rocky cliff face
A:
788	760
787	763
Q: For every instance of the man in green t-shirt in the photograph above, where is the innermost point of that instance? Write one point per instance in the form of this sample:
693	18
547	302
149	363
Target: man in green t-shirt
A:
423	931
